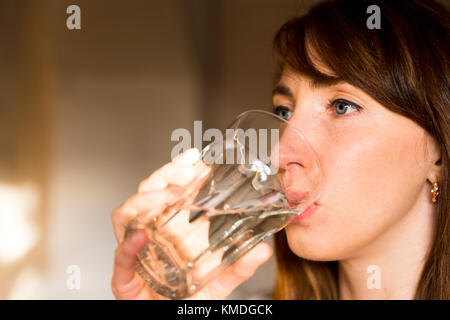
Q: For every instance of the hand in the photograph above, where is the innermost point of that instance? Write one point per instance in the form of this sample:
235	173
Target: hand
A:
152	197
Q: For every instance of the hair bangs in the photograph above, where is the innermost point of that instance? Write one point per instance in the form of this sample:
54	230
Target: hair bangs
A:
337	49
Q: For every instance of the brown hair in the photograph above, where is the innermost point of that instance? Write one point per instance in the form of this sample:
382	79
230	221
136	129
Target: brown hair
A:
405	67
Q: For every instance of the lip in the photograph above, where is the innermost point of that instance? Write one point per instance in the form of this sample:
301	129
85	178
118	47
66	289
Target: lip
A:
308	212
294	197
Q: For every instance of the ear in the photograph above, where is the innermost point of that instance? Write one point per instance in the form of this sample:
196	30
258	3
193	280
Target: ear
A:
435	161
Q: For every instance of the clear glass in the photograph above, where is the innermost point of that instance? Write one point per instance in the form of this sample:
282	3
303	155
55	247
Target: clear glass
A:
239	201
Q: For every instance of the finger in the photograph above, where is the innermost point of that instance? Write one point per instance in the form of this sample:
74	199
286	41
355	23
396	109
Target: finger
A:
157	180
125	282
239	272
188	157
174	174
182	170
150	203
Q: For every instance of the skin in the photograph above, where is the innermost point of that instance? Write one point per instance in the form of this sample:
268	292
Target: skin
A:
153	196
375	207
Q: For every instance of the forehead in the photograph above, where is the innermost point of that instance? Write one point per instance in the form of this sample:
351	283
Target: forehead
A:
290	80
292	83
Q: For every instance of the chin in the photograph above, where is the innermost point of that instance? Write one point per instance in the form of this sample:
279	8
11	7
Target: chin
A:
309	246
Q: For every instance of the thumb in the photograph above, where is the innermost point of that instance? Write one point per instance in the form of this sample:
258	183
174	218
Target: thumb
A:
125	281
239	272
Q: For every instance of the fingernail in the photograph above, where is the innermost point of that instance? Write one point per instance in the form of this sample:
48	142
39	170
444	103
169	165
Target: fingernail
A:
128	232
160	185
188	157
130	235
134	237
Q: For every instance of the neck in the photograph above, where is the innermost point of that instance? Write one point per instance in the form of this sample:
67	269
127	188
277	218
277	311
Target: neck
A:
390	267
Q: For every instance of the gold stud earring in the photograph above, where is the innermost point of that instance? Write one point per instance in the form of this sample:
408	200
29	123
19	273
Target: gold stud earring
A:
435	192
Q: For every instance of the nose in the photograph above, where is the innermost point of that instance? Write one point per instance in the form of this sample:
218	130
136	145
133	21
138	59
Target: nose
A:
293	148
298	165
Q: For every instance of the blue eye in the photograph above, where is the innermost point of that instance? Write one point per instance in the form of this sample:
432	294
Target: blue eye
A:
341	106
283	112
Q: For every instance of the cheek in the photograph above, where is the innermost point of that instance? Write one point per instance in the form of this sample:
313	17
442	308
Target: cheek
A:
371	180
374	176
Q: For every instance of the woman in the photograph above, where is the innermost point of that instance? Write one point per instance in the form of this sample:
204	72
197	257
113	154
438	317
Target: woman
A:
375	104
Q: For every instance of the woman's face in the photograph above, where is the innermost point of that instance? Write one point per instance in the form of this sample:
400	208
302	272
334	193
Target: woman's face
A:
375	165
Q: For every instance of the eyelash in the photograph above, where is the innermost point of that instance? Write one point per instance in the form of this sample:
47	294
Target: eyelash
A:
278	109
331	104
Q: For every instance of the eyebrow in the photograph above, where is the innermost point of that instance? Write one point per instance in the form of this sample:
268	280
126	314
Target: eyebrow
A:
282	90
285	91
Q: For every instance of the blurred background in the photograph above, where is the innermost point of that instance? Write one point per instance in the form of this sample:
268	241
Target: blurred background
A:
87	114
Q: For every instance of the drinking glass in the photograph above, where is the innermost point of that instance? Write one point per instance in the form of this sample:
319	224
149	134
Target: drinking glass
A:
249	190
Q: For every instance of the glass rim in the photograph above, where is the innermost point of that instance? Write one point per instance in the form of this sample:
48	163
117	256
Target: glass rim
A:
242	114
317	162
273	115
